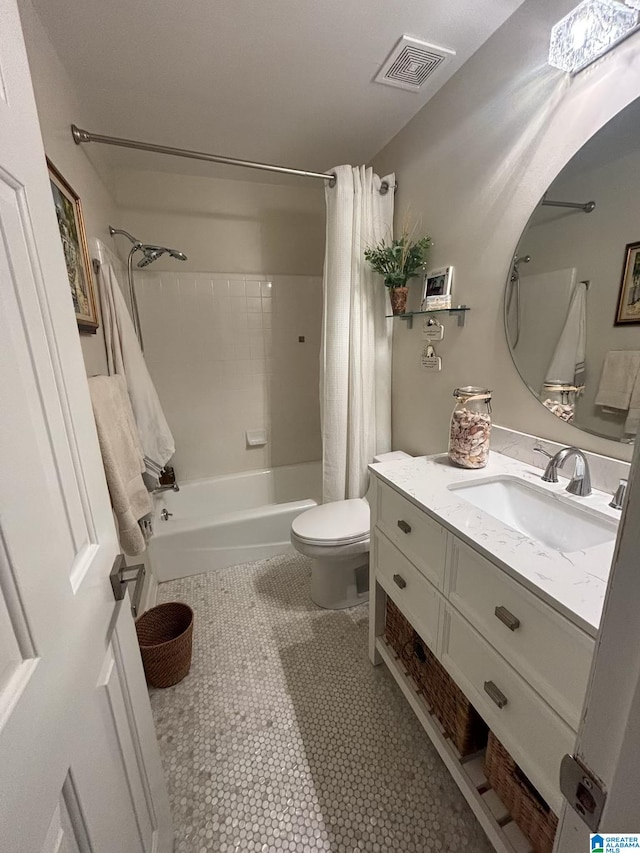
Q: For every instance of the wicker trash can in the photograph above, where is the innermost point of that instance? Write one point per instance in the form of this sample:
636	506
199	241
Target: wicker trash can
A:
165	636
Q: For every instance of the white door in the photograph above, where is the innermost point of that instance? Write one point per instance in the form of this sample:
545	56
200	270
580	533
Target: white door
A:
609	738
79	763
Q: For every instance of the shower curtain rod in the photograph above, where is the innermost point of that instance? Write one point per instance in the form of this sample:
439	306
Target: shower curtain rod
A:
588	207
80	136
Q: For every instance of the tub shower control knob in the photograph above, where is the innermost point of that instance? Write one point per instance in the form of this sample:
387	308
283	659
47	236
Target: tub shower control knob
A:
165	515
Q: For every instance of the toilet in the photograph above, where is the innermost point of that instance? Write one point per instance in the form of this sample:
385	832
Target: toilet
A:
336	537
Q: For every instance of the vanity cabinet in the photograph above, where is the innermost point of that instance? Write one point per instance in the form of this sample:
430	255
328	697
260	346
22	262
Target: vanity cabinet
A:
522	664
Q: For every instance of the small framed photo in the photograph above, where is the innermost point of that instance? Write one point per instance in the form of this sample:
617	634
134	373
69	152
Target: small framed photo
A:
629	298
437	288
76	253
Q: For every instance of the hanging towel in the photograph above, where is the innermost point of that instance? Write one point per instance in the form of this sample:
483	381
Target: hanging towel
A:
125	358
633	418
618	380
122	458
567	364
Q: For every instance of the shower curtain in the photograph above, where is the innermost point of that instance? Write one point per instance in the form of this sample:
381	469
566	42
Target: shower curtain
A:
355	360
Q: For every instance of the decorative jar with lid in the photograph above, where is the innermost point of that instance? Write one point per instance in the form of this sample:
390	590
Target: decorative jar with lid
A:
560	398
470	432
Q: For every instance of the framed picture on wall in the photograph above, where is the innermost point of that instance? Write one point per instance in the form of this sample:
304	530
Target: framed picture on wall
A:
76	253
629	298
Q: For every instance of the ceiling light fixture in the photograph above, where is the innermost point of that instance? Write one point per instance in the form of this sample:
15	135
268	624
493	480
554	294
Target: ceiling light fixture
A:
589	31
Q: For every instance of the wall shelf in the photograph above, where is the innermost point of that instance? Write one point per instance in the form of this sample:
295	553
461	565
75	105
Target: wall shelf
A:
459	310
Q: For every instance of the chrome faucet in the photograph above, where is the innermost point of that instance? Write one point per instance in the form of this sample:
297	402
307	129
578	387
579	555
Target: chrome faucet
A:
618	499
170	487
580	483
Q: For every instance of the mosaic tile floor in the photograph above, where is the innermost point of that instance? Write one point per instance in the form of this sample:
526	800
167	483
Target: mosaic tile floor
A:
283	737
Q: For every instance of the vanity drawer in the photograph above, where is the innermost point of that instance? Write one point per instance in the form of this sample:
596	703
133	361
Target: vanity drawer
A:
534	734
545	648
419	538
418	600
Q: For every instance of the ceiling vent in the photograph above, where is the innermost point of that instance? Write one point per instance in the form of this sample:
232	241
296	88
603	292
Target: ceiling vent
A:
411	63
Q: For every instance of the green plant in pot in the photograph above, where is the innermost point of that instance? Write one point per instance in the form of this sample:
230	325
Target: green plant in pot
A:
397	261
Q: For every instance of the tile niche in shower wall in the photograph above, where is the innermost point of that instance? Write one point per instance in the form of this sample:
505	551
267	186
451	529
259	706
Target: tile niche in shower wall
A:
225	355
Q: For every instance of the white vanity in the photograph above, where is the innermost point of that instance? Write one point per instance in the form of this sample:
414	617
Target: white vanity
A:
504	577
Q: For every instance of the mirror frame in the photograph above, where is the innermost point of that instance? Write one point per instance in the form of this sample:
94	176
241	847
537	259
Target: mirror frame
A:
626	99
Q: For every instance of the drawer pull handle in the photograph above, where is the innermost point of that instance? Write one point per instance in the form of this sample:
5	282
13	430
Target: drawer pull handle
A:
406	528
506	616
495	694
399	581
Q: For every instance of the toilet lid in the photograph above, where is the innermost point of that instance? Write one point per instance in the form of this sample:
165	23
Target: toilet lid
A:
335	523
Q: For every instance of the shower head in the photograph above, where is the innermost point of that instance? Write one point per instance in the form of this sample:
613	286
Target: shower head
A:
523	259
149	256
152	253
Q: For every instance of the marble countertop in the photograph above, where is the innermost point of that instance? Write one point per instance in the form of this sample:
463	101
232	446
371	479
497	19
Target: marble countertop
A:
573	583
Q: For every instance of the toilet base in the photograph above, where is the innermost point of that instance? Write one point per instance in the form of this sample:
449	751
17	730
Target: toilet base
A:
337	583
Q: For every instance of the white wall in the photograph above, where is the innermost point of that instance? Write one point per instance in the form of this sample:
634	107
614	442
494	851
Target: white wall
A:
212	360
222	347
595	244
474	163
224	353
241	226
59	107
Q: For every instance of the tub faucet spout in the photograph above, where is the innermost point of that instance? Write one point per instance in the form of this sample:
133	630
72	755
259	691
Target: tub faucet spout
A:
170	487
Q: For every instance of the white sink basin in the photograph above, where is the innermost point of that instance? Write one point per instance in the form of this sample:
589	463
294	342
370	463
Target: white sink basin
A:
539	514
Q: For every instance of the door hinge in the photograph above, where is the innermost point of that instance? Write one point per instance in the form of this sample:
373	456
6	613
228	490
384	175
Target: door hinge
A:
121	575
582	790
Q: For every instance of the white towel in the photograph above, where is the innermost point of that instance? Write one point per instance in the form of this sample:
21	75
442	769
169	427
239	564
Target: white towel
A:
122	458
618	380
633	418
125	358
567	364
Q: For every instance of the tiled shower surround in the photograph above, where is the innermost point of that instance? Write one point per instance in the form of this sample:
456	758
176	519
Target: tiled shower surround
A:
225	355
283	737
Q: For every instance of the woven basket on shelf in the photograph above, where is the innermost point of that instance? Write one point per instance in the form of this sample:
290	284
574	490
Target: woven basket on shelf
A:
165	636
525	805
458	717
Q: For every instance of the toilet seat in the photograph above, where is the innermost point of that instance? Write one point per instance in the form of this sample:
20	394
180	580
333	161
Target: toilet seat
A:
334	524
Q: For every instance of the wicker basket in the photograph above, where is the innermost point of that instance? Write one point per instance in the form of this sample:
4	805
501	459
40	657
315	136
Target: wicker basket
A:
458	717
526	806
165	636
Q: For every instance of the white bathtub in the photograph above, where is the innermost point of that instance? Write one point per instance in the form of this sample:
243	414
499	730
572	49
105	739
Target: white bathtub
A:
230	520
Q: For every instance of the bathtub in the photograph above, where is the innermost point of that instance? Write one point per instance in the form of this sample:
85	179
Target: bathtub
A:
228	520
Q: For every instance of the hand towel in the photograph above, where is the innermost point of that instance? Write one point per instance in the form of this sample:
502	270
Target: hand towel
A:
567	363
125	358
122	458
619	375
633	418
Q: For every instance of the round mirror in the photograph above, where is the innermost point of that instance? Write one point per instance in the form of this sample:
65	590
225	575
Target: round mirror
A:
572	301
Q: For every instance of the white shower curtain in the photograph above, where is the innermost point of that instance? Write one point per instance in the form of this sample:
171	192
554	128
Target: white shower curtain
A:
355	359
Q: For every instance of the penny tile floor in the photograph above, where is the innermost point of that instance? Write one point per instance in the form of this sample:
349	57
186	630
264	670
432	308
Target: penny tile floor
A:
283	737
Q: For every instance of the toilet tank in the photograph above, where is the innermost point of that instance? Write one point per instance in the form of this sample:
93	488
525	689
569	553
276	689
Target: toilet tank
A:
396	455
393	454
